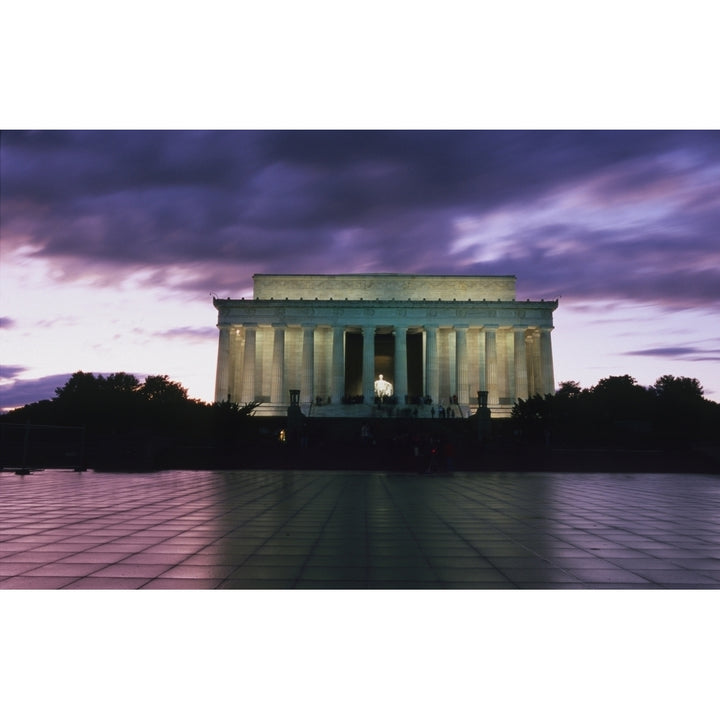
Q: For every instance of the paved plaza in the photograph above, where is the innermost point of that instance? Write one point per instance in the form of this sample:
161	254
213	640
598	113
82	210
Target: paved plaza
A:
309	529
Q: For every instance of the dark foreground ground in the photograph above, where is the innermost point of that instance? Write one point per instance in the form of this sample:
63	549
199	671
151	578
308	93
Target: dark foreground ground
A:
397	445
356	529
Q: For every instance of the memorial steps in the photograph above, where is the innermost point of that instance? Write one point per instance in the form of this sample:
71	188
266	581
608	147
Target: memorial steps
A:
364	410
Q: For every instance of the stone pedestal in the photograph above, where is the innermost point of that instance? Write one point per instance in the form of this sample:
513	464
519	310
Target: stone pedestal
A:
295	420
482	417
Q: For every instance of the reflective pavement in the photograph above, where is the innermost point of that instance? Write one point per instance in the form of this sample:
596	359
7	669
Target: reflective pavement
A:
309	529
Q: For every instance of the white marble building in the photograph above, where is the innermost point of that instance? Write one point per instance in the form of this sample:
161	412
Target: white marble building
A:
437	340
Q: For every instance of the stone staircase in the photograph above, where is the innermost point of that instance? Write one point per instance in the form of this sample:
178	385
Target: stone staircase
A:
363	410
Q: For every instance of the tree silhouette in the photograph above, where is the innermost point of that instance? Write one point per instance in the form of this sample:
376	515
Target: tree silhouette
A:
681	411
617	411
568	388
679	389
160	389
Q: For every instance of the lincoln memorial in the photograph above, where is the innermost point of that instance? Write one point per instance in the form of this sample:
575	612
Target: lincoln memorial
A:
358	345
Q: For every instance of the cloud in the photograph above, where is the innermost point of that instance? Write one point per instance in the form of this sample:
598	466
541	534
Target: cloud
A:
190	333
588	214
6	323
665	351
7	372
23	392
686	353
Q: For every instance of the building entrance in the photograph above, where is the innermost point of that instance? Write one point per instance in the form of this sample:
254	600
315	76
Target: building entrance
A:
384	363
385	356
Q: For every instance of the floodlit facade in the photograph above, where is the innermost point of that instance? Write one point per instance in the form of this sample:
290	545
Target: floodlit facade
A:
436	340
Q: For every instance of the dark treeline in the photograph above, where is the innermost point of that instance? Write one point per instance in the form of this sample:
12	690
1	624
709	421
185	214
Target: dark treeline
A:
617	412
120	422
126	423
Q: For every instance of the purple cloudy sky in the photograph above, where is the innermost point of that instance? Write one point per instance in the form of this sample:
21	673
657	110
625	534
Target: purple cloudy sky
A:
113	241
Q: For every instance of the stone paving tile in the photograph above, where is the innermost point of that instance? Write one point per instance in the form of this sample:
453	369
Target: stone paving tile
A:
459	561
328	561
44	556
572	552
238	548
131	570
465	575
457	551
219	572
9	554
323	530
439	585
121	546
621	553
341	573
608	575
261	584
69	570
96	556
671	577
648	563
496	551
171	548
523	575
617	586
25	582
14	546
283	549
106	583
594	562
530	561
150	557
562	585
10	569
697	563
181	584
271	560
262	572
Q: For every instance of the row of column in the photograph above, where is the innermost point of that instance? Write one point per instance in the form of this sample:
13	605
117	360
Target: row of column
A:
527	363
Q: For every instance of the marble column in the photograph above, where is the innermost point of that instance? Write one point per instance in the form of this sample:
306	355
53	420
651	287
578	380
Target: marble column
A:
247	393
368	369
461	364
432	381
447	381
236	354
546	359
401	380
530	346
521	375
337	379
308	364
222	378
491	365
537	364
277	377
506	364
482	373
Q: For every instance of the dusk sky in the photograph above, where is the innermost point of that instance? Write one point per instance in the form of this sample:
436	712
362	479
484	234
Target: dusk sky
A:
112	242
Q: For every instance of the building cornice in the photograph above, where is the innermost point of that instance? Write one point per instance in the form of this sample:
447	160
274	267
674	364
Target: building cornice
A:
410	313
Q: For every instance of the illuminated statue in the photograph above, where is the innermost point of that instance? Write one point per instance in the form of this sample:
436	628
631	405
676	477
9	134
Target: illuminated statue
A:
383	388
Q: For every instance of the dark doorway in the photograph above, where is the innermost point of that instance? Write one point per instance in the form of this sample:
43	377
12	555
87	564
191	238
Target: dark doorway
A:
416	385
353	364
